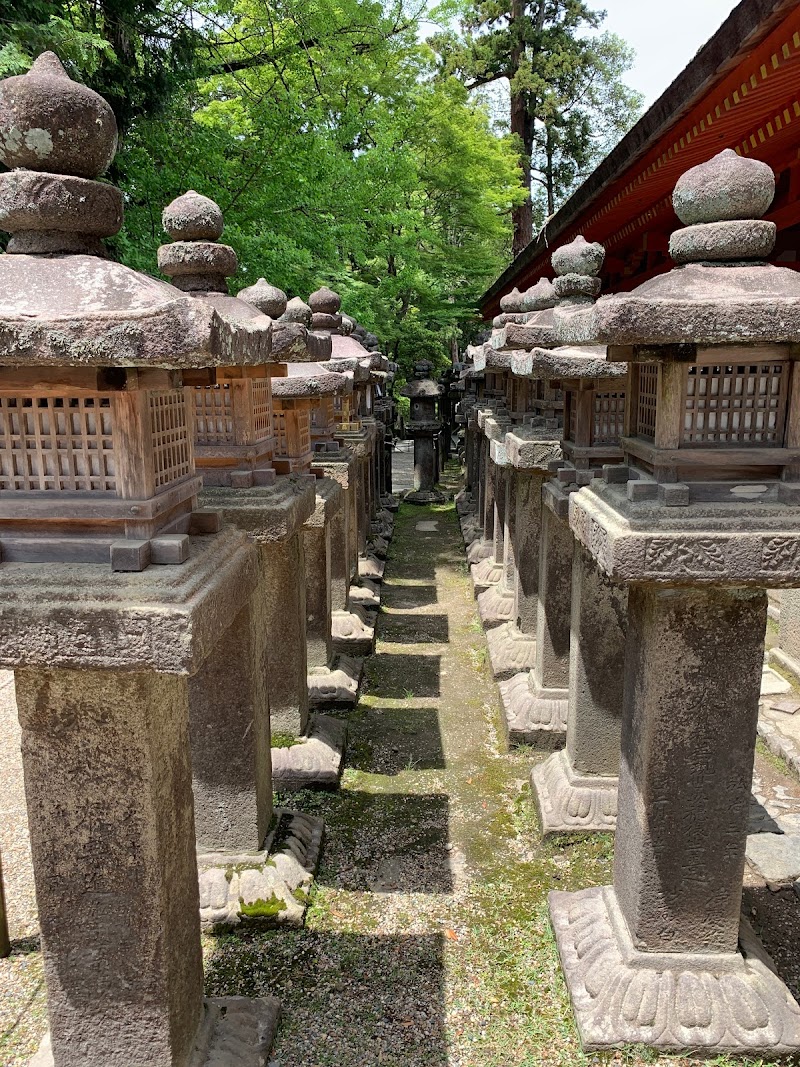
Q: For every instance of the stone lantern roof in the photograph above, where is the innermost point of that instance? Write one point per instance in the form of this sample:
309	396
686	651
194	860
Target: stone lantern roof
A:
519	307
310	380
198	264
721	290
62	301
292	339
566	361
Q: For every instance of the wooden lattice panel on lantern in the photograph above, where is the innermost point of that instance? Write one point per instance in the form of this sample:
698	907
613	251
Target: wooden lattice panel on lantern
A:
647	394
261	409
213	412
171	444
735	404
609	417
292	430
57	443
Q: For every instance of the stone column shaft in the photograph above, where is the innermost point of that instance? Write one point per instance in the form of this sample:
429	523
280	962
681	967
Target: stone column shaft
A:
230	736
597	668
551	671
285	613
108	785
527	531
340	553
317	555
424	463
693	671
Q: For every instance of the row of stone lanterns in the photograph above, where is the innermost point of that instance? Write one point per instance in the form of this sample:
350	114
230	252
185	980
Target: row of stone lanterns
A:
661	503
191	530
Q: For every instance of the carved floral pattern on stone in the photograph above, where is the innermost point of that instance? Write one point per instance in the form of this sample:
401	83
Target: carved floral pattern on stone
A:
487	572
780	554
698	555
495	605
510	652
568	804
270	887
681	1000
533	719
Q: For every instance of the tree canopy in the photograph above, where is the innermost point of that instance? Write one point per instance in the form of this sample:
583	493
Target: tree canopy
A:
568	102
341	147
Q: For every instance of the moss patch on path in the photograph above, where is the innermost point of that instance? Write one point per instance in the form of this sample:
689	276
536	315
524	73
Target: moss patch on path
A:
428	942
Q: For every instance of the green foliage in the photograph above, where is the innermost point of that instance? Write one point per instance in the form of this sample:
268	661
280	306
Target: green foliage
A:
568	103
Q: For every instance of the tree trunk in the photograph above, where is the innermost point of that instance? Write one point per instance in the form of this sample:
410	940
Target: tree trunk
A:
522	126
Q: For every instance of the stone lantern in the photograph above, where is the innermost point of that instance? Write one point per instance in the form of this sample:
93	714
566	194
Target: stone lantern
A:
423	426
97	457
700	518
273	854
535	700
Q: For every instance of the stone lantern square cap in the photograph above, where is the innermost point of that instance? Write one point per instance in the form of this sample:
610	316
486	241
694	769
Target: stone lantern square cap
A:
488	357
722	290
310	380
566	362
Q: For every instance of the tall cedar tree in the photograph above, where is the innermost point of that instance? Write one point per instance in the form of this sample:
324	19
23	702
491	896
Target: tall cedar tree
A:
568	104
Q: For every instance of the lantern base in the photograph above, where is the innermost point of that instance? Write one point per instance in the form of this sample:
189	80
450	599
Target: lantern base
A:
233	1031
572	803
486	573
270	887
336	685
353	632
424	496
510	651
496	605
534	717
316	761
718	1002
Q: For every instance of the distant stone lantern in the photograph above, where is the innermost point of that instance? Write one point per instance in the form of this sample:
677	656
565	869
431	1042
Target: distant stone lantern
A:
237	827
96	464
697	522
423	426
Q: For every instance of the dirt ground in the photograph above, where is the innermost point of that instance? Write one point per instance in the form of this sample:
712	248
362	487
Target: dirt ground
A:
427	943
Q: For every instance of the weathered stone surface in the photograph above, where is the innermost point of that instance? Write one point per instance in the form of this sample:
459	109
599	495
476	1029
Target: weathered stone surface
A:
510	651
728	186
51	123
316	761
693	664
105	314
164	619
718	1002
310	380
567	361
266	513
569	802
325	301
776	857
297	311
58	205
531	717
269	887
352	634
540	296
487	572
512	301
336	685
196	259
371	568
269	299
723	241
742	543
234	1032
579	257
496	605
192	217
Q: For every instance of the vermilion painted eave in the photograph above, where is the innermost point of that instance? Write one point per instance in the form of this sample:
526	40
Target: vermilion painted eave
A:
632	213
